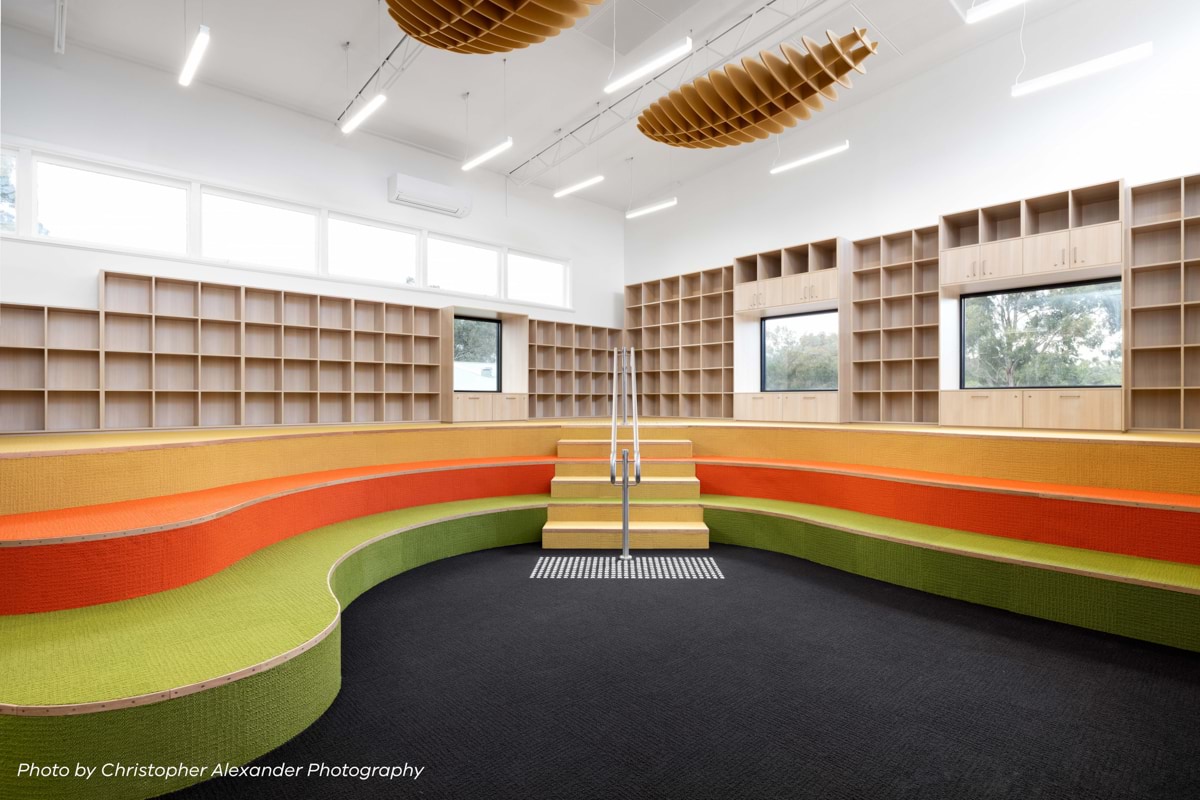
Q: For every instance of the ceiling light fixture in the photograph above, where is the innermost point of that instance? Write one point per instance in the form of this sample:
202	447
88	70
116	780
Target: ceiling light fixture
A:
650	209
490	154
199	45
674	54
360	117
800	162
575	187
989	9
1101	64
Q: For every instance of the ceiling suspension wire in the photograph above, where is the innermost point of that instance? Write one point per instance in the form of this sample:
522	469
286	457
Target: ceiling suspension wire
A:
1021	40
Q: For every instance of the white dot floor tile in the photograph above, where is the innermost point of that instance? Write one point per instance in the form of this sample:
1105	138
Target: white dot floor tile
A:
640	567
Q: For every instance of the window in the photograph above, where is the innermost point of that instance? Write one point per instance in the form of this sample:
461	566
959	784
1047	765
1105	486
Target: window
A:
8	193
461	267
536	280
360	250
1058	336
476	355
800	352
89	206
255	233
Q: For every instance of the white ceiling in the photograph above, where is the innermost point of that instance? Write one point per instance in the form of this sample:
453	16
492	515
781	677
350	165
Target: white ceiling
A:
289	52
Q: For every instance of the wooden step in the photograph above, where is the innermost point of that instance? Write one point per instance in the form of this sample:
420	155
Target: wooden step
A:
642	536
651	488
597	467
639	511
599	448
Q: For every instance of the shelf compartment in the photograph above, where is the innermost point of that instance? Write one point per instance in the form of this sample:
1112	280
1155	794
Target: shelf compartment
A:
925	343
220	302
425	350
300	310
867	377
175	298
897	344
868	253
925	375
263	375
336	313
128	371
898	248
220	374
264	341
1047	214
263	408
333	377
650	316
127	333
867	316
1191	239
22	369
368	316
1156	245
897	407
22	411
180	373
669	312
1158	368
866	406
1156	327
867	285
691	333
333	408
795	260
132	294
717	280
714	306
897	280
398	349
1191	325
713	332
299	409
897	312
583	360
72	411
745	269
925	243
219	338
925	309
1096	205
299	343
1191	199
299	376
220	409
650	293
670	382
426	408
960	230
867	346
633	317
425	378
334	345
1191	409
925	407
926	278
369	347
264	307
1156	286
583	336
397	407
128	410
398	378
692	285
693	309
68	329
668	289
1000	222
176	335
1158	408
399	319
897	376
712	356
1156	202
176	409
822	255
368	408
1191	368
68	369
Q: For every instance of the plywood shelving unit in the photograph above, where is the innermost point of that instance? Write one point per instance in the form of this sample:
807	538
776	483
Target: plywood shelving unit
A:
570	369
1162	301
682	328
894	328
167	353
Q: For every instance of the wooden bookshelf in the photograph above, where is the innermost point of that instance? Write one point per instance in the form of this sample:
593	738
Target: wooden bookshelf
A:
570	369
1162	306
894	326
682	328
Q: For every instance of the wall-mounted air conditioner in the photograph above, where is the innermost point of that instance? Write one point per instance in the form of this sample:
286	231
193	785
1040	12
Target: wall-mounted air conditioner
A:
428	196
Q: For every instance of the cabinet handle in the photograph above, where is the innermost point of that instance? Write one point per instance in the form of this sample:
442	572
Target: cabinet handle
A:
1064	257
973	263
979	397
985	272
1074	255
1061	396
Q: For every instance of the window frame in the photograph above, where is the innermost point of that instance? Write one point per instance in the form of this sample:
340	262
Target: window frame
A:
499	353
500	266
962	332
18	180
562	262
37	157
762	350
320	248
387	226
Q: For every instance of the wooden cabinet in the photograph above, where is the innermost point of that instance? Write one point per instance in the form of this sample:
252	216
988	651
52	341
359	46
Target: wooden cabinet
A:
989	408
1047	252
745	296
472	407
757	407
770	292
1000	259
960	265
1096	246
809	407
506	406
789	290
1073	409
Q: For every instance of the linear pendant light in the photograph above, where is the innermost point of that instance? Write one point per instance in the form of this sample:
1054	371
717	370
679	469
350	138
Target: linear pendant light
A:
199	45
650	209
800	162
675	53
1101	64
361	115
989	9
482	157
575	187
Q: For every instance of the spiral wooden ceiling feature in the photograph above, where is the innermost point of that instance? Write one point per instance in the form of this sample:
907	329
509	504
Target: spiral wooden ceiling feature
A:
486	26
747	101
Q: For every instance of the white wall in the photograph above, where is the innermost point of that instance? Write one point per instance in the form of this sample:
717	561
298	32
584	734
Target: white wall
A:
105	107
951	139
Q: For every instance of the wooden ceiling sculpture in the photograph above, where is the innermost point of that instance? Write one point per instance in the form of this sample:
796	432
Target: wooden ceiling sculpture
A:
744	102
486	26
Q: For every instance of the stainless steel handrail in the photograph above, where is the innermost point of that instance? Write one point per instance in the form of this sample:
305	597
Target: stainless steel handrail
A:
625	382
612	453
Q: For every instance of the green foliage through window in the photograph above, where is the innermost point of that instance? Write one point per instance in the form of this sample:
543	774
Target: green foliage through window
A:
1060	336
800	353
476	355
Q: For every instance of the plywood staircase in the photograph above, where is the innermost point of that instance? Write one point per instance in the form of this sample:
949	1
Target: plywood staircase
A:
664	511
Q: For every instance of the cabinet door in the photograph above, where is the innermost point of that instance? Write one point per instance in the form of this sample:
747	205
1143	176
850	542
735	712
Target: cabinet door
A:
1073	409
822	285
472	407
960	265
770	293
795	289
1000	259
989	408
509	406
1096	245
745	296
1047	252
754	407
810	407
